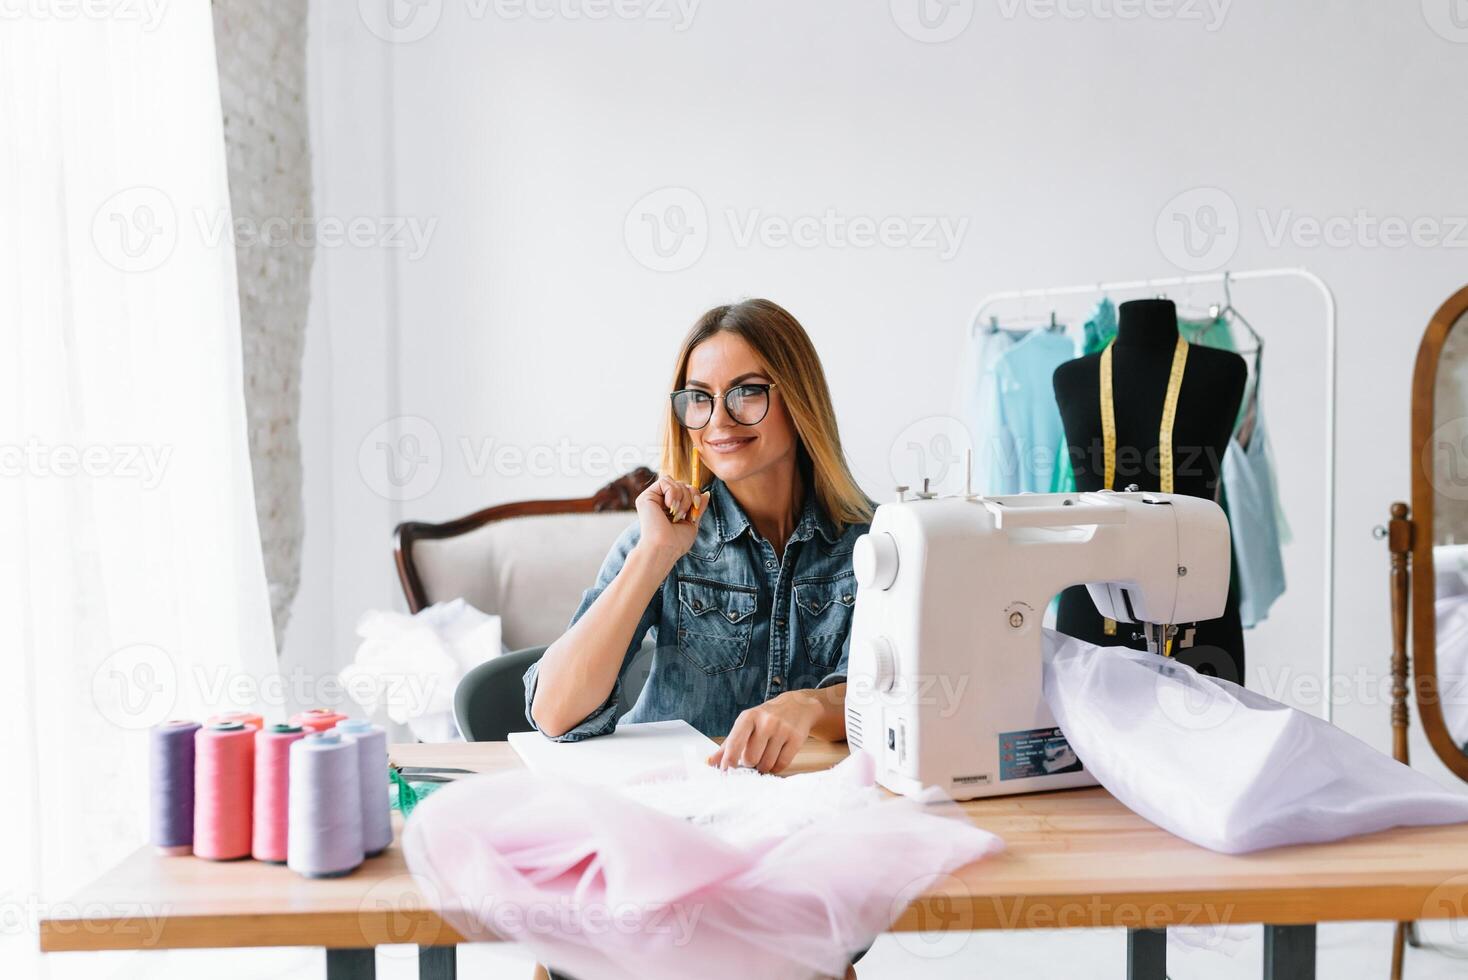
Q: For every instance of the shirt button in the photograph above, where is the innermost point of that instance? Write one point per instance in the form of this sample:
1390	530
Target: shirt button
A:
771	563
777	680
733	616
780	622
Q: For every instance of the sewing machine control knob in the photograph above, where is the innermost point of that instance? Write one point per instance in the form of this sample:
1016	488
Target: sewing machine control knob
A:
874	560
884	665
1018	614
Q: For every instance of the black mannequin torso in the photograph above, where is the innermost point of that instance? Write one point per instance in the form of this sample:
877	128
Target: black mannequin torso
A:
1207	407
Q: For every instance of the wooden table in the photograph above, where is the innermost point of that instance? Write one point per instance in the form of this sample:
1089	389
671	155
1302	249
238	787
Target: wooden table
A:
1075	859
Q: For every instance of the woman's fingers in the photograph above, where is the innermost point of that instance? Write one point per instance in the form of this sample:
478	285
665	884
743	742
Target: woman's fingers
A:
732	751
757	743
677	497
754	749
773	748
787	755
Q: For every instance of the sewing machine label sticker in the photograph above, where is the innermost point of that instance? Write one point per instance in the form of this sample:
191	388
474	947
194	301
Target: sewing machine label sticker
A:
1037	752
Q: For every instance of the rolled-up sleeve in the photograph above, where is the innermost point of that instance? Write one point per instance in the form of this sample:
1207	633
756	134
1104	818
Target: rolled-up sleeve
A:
604	719
838	671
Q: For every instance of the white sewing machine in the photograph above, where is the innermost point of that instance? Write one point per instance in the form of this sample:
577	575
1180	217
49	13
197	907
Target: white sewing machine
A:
944	671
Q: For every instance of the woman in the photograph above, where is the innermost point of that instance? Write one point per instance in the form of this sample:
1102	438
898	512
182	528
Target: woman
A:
747	585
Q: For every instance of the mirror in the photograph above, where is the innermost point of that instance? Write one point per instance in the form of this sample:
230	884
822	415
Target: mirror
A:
1440	532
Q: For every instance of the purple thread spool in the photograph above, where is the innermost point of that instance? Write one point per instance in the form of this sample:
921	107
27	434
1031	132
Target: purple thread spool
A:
324	838
171	776
376	805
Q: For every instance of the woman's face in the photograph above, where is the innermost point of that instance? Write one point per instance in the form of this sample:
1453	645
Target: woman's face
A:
732	451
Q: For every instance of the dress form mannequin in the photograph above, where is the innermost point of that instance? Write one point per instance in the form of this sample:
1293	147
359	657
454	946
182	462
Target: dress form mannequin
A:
1207	406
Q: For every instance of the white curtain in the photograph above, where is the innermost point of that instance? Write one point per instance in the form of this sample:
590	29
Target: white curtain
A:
131	583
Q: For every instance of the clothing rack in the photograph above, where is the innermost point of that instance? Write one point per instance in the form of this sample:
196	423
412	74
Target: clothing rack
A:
1225	279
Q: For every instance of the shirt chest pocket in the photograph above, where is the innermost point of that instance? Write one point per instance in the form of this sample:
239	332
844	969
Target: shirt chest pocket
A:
714	624
823	610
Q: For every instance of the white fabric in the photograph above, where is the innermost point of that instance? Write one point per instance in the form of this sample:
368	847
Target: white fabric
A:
1221	766
409	665
531	571
1452	663
131	583
745	806
1450	569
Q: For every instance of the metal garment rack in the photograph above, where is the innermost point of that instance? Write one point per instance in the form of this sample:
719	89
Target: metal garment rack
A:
1225	279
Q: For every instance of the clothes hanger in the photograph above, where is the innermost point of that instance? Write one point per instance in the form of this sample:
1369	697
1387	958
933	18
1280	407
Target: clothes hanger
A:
1246	428
1229	311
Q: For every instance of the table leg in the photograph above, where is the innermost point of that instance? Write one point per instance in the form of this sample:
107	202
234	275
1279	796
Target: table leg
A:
351	964
1146	954
438	963
1289	952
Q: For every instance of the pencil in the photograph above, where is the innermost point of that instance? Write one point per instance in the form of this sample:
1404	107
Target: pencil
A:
694	482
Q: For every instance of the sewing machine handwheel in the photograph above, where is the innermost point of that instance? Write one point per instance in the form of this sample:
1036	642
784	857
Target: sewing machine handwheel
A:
874	560
884	664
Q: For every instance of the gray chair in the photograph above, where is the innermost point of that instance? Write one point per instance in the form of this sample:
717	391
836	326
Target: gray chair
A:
489	702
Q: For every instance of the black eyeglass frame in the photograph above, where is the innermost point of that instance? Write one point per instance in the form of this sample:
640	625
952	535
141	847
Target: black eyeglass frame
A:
764	385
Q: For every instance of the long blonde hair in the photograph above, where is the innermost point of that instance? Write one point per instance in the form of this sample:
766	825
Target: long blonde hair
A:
782	343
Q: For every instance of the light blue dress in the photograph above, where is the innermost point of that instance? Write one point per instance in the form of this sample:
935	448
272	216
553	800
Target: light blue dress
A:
1025	448
1249	489
976	396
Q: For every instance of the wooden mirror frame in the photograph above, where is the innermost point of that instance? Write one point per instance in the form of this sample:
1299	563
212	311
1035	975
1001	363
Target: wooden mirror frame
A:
1424	585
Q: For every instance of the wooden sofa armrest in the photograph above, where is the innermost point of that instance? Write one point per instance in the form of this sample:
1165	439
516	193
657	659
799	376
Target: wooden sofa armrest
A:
619	494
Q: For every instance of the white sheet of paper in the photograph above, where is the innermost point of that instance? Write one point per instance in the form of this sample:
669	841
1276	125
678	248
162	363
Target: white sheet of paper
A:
626	753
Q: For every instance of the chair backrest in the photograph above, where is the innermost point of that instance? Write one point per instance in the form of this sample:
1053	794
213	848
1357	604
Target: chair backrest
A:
489	702
527	562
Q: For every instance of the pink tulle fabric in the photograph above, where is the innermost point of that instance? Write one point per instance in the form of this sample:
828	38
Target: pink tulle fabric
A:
599	885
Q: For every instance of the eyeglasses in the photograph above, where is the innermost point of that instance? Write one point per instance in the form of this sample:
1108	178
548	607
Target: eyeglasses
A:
746	404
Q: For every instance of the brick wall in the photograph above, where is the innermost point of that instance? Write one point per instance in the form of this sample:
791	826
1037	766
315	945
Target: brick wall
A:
261	50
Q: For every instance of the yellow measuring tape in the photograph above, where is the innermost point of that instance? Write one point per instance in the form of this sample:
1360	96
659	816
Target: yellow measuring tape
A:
1164	435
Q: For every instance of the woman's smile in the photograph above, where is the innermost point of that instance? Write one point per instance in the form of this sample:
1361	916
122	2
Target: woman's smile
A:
724	445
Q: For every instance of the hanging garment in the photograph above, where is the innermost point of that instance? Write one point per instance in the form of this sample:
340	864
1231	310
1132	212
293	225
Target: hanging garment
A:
1027	431
598	884
1250	494
1098	331
1214	332
976	396
1248	485
1221	766
1100	328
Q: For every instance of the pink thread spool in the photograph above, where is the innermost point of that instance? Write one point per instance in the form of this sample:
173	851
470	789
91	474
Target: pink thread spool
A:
317	719
246	718
224	777
272	790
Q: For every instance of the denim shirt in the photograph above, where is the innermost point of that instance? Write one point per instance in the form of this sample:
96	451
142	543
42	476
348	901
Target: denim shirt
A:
734	625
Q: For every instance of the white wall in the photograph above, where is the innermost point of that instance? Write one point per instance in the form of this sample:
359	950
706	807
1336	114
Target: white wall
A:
525	144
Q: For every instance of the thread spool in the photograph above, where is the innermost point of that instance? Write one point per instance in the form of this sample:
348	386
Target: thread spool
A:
324	837
247	718
318	719
272	790
171	777
224	777
376	806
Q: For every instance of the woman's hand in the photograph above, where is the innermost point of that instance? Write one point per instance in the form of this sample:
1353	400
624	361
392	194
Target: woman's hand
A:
669	535
768	736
